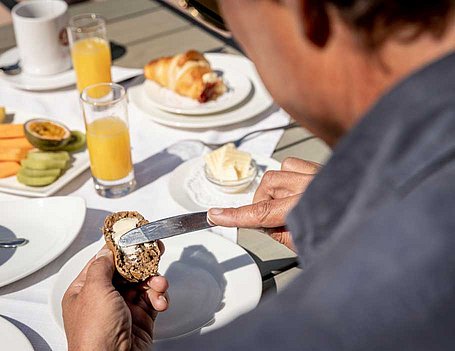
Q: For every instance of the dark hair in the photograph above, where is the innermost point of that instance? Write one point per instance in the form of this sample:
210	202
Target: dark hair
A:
376	20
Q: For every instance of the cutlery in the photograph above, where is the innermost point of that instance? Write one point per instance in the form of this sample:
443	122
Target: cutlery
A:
132	81
11	70
13	243
165	228
238	142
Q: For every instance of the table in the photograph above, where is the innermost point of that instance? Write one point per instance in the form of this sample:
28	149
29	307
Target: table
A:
148	29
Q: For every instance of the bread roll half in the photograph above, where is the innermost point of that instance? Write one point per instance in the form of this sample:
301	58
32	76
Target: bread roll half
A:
134	263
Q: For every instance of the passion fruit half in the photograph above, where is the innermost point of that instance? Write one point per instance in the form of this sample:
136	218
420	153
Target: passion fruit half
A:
46	134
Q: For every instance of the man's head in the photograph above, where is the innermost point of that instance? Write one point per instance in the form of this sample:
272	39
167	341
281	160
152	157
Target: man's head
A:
327	61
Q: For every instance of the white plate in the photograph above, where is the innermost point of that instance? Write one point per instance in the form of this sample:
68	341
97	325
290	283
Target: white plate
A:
31	82
80	163
238	89
211	282
257	102
50	225
189	188
12	338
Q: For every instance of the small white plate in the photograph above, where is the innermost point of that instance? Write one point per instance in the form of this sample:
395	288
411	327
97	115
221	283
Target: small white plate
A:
31	82
189	188
211	282
80	163
50	225
258	100
238	88
12	338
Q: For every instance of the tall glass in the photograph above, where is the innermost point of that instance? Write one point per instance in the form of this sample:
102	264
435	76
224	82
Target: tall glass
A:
90	50
108	139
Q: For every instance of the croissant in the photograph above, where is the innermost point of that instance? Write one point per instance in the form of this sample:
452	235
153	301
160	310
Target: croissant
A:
188	74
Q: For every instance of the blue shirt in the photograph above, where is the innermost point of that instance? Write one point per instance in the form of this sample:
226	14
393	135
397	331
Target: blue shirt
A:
375	233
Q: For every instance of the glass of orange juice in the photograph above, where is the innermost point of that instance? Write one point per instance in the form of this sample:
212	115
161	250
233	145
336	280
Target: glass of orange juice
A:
106	122
90	50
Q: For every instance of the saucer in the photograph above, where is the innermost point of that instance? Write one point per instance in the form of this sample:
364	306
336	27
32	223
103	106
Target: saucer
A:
189	187
26	81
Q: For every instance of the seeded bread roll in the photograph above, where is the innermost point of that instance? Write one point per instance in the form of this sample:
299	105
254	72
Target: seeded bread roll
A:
134	263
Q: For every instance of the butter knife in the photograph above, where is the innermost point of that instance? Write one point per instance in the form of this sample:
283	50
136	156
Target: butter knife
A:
165	228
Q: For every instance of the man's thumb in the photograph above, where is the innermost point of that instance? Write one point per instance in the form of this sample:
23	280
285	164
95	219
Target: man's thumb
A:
102	268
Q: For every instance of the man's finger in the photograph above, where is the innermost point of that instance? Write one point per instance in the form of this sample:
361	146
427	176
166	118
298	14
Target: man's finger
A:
281	184
79	282
264	214
293	164
102	268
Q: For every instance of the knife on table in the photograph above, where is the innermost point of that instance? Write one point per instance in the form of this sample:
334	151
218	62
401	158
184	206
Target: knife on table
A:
165	228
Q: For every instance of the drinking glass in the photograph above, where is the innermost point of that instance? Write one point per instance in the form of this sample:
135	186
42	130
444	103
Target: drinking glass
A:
108	139
90	50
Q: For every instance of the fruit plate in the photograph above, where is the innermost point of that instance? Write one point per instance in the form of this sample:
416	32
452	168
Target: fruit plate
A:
80	162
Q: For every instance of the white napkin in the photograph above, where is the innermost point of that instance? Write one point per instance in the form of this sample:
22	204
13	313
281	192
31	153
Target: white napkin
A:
156	150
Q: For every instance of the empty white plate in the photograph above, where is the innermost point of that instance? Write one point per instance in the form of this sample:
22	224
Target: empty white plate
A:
32	82
12	337
238	88
50	225
211	282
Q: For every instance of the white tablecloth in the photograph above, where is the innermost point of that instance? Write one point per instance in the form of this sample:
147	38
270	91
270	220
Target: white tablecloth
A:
156	152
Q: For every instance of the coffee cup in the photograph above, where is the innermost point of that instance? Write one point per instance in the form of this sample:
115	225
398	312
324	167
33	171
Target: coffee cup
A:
40	30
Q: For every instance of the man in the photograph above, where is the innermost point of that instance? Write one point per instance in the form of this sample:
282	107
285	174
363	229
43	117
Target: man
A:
374	231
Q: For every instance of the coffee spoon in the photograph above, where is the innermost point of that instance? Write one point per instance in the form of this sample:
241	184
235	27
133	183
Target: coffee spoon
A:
11	70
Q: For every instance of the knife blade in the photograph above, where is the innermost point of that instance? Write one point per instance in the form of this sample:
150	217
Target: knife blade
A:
165	228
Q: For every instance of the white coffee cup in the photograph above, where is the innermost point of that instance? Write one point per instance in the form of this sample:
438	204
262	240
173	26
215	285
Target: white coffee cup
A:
40	30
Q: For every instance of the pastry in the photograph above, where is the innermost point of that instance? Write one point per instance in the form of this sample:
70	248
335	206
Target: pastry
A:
188	74
134	263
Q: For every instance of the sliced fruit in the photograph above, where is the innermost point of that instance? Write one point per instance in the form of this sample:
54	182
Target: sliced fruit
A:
76	143
12	154
35	181
53	172
44	164
46	134
11	131
8	169
21	143
48	155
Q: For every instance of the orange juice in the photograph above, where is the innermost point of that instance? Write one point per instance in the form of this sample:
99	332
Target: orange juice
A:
108	144
92	62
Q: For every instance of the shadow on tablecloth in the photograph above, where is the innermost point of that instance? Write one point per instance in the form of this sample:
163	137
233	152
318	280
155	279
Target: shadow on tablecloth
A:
35	339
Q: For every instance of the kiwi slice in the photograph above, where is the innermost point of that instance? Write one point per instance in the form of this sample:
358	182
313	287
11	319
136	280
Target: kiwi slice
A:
44	156
54	172
76	143
35	181
43	164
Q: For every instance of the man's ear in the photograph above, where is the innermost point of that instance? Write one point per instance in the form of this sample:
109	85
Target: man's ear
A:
315	21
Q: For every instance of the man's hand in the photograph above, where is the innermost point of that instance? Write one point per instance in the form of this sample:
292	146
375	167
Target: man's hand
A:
276	195
97	316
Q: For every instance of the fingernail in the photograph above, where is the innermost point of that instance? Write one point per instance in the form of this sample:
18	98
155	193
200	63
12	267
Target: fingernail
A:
162	298
216	211
103	252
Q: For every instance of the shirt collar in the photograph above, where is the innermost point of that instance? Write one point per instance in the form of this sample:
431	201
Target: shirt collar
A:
407	131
